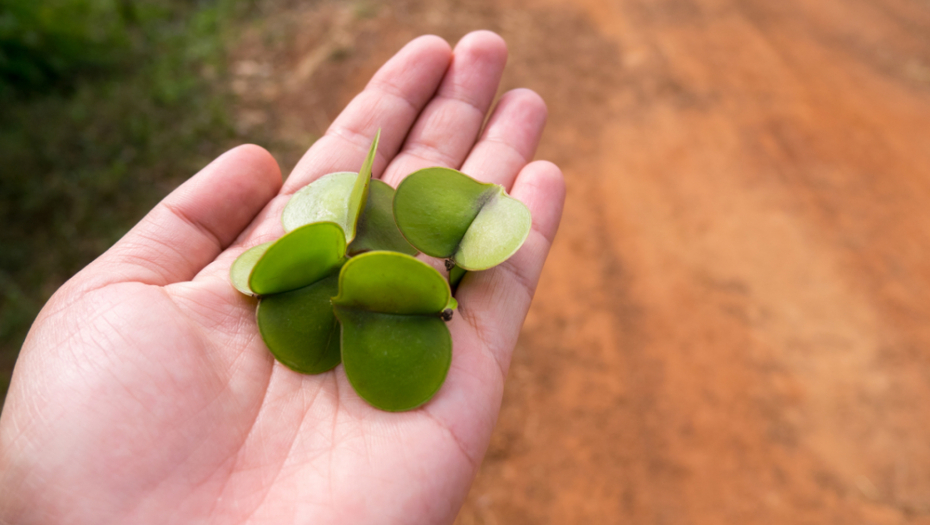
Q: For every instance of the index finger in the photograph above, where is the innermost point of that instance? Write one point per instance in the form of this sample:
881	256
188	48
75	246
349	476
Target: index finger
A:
392	100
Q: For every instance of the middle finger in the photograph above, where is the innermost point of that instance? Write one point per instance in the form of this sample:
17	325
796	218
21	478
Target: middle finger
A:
446	129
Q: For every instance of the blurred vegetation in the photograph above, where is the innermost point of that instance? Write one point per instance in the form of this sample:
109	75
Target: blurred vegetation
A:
105	106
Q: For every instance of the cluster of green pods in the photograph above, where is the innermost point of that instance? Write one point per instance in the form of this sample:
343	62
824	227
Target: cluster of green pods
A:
344	285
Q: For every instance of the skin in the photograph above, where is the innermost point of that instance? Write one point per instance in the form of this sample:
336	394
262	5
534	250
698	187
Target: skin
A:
144	394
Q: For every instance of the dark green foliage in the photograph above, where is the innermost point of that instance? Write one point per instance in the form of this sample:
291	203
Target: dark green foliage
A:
105	106
46	43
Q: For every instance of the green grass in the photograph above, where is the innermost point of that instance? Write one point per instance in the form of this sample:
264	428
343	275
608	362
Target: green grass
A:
105	106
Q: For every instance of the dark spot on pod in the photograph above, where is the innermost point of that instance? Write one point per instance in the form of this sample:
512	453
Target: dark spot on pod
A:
450	264
446	314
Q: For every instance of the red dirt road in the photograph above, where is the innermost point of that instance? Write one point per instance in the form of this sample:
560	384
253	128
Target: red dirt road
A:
734	324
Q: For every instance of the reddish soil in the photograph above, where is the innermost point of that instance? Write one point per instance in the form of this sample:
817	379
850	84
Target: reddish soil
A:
734	324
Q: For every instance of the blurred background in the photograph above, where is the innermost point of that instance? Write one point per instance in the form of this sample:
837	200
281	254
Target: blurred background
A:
734	323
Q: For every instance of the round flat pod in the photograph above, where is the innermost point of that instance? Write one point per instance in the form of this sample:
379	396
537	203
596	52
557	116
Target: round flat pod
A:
300	328
390	282
394	362
242	267
433	208
299	258
445	213
396	348
324	200
498	231
337	197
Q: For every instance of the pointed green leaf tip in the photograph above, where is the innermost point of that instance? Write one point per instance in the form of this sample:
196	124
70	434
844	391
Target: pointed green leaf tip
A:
360	190
445	213
336	197
396	349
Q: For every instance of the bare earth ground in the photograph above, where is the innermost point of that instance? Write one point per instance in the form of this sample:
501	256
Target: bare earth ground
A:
734	325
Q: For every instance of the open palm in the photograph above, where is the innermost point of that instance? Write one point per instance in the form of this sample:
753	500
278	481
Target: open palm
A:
144	393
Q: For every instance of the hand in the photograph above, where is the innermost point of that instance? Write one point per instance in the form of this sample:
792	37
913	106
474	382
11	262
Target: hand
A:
144	393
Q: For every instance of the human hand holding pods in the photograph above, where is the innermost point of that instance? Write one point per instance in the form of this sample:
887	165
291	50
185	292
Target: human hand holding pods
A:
342	284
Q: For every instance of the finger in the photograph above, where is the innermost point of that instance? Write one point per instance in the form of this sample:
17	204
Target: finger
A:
192	225
391	101
492	306
495	302
446	130
509	140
